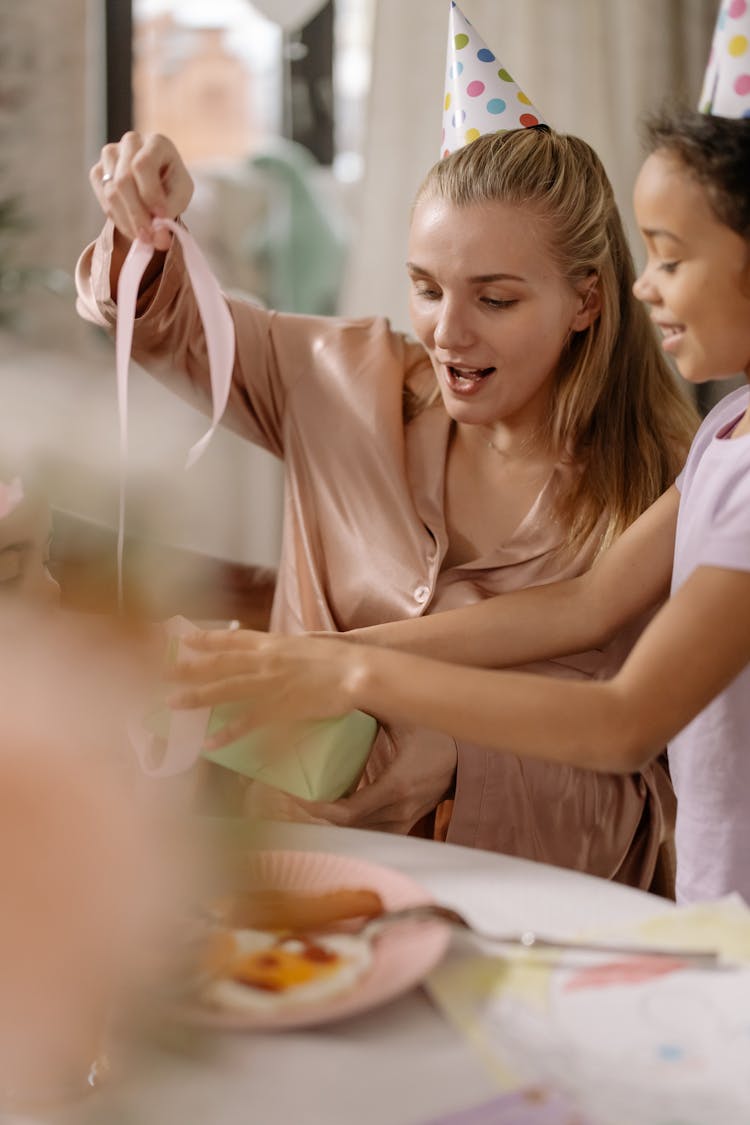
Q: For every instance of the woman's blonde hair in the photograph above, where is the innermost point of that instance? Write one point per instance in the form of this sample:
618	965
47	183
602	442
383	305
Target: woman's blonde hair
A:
616	408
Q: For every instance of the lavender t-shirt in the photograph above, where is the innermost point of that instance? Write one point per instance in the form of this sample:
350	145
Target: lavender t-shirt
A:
710	758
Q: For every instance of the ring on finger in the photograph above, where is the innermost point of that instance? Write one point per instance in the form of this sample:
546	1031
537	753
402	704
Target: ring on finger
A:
107	177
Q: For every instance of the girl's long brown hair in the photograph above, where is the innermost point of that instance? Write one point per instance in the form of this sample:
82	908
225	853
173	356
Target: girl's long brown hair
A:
616	409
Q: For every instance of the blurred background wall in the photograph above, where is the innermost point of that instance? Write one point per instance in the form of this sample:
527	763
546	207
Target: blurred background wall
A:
308	126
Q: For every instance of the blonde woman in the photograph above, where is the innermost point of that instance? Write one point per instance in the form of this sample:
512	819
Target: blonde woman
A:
531	420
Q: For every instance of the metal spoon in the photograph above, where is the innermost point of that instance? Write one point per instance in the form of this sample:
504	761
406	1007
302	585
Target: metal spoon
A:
529	939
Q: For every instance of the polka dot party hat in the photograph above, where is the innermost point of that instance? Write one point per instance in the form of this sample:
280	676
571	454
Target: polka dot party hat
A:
481	97
726	86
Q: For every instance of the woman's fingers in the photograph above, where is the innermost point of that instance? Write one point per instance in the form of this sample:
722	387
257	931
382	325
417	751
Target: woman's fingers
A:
138	179
163	182
163	179
374	806
410	786
116	195
265	802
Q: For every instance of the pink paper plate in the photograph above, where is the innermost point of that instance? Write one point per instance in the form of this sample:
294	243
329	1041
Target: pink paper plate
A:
402	956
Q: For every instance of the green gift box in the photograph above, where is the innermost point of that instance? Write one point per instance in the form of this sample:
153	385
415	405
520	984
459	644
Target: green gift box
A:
319	761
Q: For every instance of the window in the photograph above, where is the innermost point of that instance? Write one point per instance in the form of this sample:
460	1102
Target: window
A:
225	82
207	75
221	79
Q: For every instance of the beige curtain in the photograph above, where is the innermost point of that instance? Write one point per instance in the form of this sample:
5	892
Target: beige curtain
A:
593	67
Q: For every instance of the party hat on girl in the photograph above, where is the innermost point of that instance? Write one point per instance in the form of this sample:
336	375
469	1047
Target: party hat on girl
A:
726	86
481	97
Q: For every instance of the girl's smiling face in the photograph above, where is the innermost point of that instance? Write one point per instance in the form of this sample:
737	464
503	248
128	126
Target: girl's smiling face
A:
491	308
697	275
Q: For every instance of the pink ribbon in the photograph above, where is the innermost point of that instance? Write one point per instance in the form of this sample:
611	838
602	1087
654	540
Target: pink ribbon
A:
220	344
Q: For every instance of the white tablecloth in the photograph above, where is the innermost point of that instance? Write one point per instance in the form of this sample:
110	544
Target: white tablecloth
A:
401	1064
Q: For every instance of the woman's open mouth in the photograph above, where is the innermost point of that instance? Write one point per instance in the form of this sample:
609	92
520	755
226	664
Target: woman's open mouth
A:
466	380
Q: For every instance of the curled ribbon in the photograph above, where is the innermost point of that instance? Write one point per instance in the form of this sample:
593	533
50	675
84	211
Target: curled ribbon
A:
220	345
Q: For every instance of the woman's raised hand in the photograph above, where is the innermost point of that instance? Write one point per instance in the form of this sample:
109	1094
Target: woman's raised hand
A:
138	179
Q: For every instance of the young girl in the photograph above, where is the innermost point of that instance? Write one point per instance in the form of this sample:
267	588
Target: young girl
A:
533	419
688	677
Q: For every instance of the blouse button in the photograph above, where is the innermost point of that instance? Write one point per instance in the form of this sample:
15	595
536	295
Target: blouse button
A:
421	594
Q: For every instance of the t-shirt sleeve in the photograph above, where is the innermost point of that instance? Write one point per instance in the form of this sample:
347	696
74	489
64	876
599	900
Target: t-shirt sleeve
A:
728	542
722	413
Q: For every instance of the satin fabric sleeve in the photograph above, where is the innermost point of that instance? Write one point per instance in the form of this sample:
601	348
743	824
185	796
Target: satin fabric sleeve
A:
275	351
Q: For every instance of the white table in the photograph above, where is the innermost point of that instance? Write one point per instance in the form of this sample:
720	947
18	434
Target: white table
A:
398	1065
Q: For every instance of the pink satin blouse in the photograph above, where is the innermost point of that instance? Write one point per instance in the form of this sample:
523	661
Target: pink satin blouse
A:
364	538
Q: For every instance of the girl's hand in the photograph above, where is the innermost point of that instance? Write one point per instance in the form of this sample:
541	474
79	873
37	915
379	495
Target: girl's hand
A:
139	179
280	678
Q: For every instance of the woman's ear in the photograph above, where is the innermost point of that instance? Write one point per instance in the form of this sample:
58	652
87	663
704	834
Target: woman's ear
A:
589	306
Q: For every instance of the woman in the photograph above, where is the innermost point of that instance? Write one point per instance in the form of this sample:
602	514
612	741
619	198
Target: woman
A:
555	421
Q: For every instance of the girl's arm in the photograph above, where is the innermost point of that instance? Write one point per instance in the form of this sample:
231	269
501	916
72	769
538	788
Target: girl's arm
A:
316	677
693	648
553	620
690	652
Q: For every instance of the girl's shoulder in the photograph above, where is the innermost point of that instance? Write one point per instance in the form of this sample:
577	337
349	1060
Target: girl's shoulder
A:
726	411
720	419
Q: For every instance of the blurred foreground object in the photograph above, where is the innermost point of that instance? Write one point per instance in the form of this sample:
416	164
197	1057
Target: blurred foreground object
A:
160	580
92	874
25	528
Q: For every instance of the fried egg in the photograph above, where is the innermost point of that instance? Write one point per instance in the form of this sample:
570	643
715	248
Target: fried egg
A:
259	971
